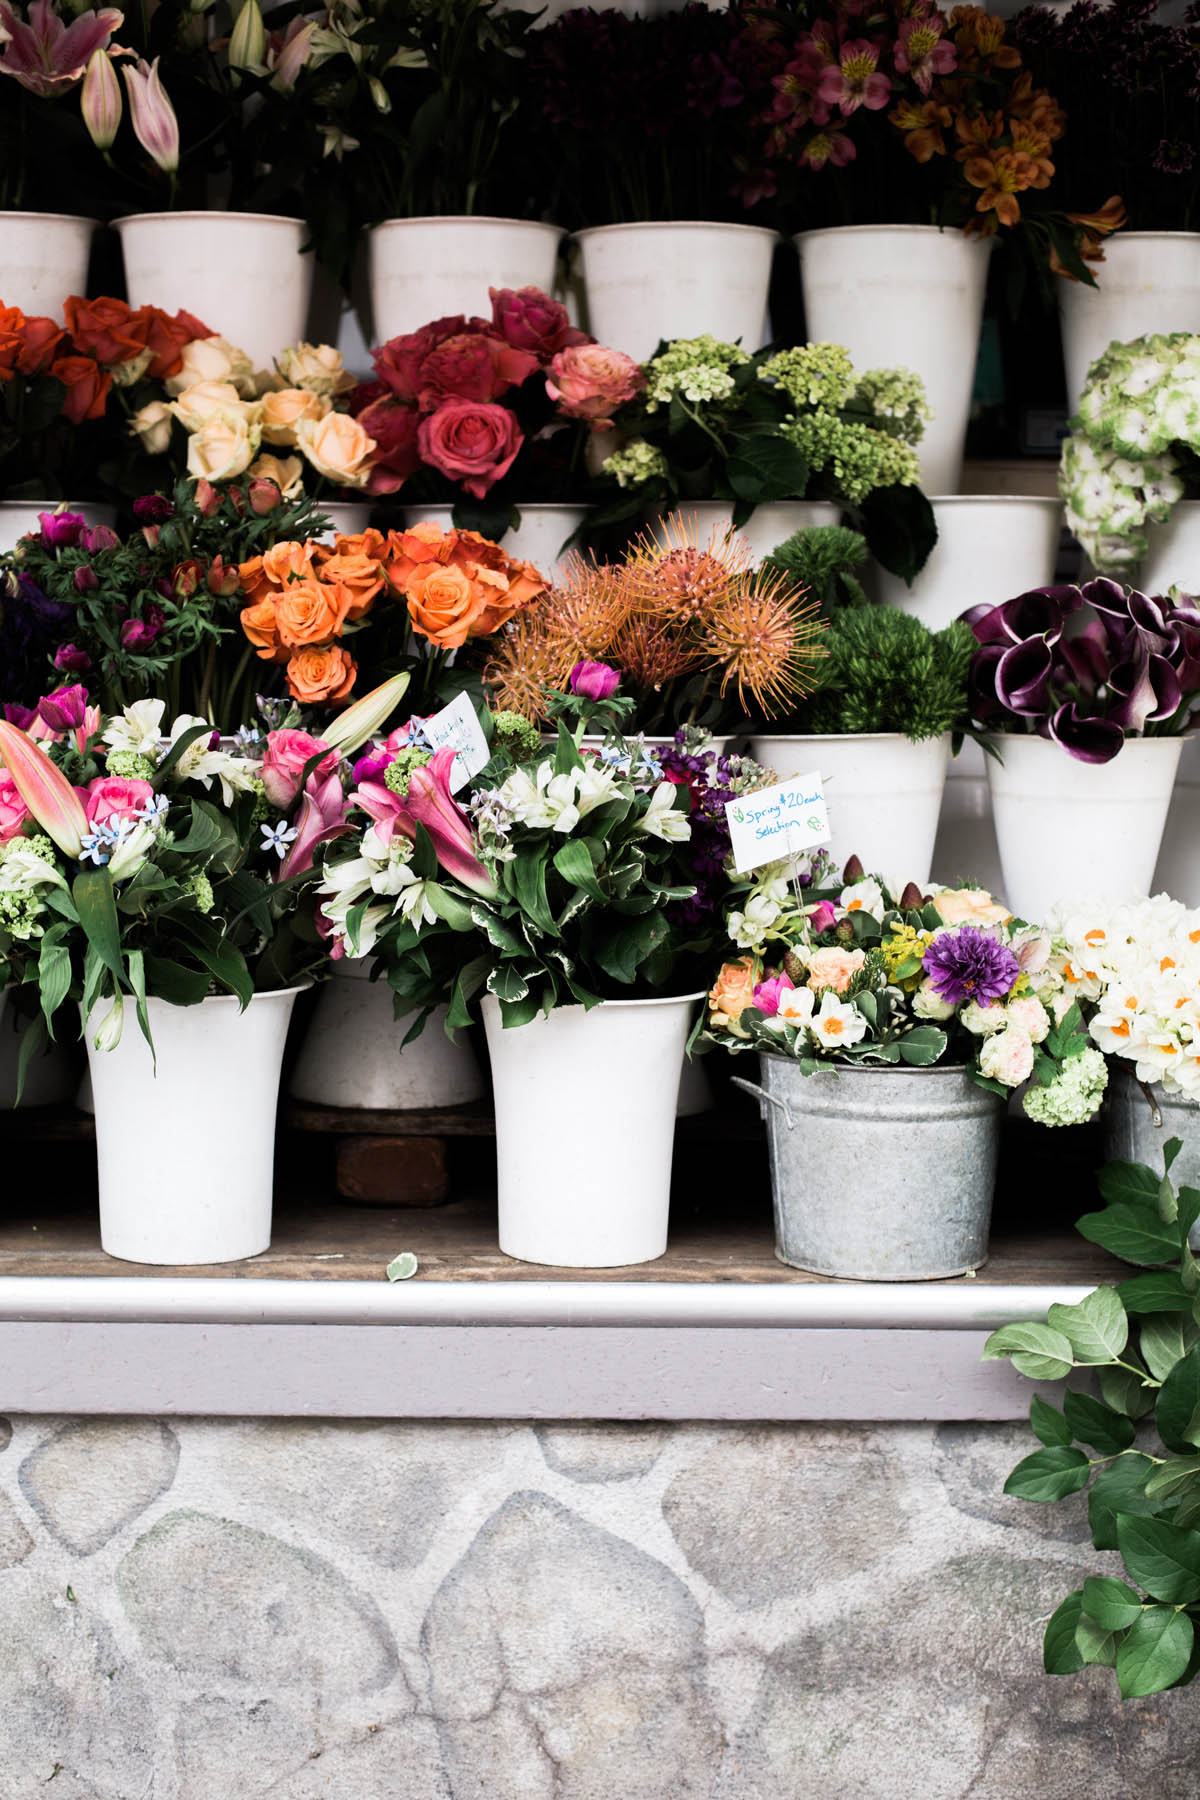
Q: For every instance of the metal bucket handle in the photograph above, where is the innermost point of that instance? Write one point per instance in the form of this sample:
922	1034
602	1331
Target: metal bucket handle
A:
764	1099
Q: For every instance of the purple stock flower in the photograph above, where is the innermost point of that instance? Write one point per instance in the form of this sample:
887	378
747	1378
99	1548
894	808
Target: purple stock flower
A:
64	709
970	964
152	509
61	529
71	659
594	680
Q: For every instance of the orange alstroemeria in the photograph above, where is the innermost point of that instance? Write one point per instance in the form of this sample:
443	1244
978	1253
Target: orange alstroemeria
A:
923	127
1002	177
1094	228
977	133
1027	141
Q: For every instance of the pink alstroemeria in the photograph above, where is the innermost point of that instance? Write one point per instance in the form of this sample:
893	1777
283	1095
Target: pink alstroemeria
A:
431	804
45	790
823	147
152	115
921	51
322	815
46	56
854	80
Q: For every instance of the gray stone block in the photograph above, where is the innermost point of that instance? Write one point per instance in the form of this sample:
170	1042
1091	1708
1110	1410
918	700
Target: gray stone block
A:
973	1464
587	1452
225	1603
92	1478
5	1434
15	1541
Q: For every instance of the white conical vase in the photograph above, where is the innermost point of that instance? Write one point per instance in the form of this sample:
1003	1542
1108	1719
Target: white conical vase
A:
185	1139
1149	281
435	267
1173	556
676	278
43	259
354	1055
989	548
768	526
585	1129
906	296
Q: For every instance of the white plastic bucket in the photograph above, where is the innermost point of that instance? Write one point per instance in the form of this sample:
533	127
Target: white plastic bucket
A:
676	279
432	268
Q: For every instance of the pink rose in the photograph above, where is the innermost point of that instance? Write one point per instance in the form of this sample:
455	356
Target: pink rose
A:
834	968
284	760
115	797
472	444
13	810
473	366
591	382
530	320
398	362
394	429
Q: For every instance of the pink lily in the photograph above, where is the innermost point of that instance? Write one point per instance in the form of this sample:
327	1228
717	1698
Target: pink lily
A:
431	804
45	790
46	56
322	815
152	115
100	100
292	55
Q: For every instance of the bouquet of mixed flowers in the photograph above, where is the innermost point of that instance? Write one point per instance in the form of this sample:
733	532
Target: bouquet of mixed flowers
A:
710	421
489	413
1087	667
1134	970
138	860
152	614
857	973
694	633
422	594
921	118
1134	448
563	875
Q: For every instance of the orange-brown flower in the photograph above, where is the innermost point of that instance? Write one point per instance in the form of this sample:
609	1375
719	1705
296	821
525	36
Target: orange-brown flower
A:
765	640
923	126
652	654
311	612
360	575
321	673
258	623
285	562
1002	177
1028	140
977	133
1094	228
525	664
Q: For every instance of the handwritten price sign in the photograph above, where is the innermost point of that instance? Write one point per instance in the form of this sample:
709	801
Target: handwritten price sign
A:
777	822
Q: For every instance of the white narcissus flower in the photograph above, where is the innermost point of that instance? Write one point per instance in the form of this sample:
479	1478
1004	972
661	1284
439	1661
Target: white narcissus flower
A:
863	896
796	1005
138	728
837	1026
663	819
1007	1057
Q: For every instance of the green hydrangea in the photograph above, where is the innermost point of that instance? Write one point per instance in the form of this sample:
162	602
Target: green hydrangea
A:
1109	497
517	733
638	462
20	913
130	764
1073	1096
897	401
200	887
812	374
399	773
861	458
697	369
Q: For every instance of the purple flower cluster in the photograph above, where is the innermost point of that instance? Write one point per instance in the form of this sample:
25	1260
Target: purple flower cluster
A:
709	777
970	964
1086	666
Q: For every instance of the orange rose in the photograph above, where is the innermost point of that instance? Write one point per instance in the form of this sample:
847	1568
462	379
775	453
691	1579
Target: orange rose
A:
288	562
311	612
325	674
444	604
420	544
370	543
253	581
360	575
87	386
834	968
258	623
520	583
733	990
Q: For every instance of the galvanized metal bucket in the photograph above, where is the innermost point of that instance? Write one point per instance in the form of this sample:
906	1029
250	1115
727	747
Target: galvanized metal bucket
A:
880	1174
1139	1121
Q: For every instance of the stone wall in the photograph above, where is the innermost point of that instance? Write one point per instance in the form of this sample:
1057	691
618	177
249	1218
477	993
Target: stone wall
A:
212	1610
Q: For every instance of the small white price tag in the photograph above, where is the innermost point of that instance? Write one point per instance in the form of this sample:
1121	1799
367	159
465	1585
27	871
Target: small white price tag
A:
457	728
777	822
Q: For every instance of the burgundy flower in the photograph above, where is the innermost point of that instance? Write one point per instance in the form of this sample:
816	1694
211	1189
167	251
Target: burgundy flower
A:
398	362
61	529
85	579
152	509
71	660
64	709
530	320
394	428
138	634
472	366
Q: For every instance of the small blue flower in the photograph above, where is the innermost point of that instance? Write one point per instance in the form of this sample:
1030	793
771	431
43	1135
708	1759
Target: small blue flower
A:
95	847
153	809
277	838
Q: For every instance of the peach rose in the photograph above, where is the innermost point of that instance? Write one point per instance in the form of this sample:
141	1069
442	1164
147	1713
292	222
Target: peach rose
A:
151	425
221	449
213	359
443	604
206	400
287	472
521	583
288	561
321	674
337	447
834	968
590	382
970	906
733	990
408	550
360	575
258	623
310	612
316	367
282	411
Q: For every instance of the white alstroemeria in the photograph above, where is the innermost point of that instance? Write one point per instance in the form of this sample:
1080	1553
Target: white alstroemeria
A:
662	818
597	785
137	728
130	850
413	903
837	1026
863	896
543	798
201	762
749	929
23	870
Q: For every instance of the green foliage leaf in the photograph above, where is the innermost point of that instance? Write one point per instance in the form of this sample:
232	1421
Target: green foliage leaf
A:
1049	1425
1125	1391
507	983
1130	1184
1160	1557
1112	1603
1164	1339
574	863
1037	1350
766	468
205	831
1177	1414
1097	1327
1096	1644
1155	1653
1170	1476
95	903
1134	1233
1060	1652
1119	1489
1160	1291
922	1046
169	980
1093	1423
1049	1474
456	913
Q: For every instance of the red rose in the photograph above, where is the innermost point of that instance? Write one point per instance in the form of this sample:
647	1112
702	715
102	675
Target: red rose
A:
472	366
398	362
166	337
107	329
530	320
87	386
472	444
396	456
42	338
12	339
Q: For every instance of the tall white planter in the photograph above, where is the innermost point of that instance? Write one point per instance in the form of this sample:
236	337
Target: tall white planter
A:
989	548
186	1151
51	1078
908	296
245	275
19	517
676	279
965	849
767	527
1178	869
432	268
585	1124
43	259
1149	281
1066	827
883	794
538	539
1173	556
352	1056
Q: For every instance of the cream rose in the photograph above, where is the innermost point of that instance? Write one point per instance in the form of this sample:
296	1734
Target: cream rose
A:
151	425
281	412
222	448
1007	1057
287	472
206	400
970	906
337	447
213	359
834	968
317	367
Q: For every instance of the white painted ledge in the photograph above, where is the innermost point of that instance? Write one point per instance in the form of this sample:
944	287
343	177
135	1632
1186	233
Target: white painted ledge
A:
527	1350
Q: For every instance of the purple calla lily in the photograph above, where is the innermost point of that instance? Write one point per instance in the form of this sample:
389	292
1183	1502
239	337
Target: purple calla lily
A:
983	701
1087	739
1148	690
1039	613
1023	678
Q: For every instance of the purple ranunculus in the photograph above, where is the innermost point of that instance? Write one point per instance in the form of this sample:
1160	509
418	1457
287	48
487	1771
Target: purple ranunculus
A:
72	660
137	634
61	529
85	579
152	509
64	709
823	917
970	964
594	680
